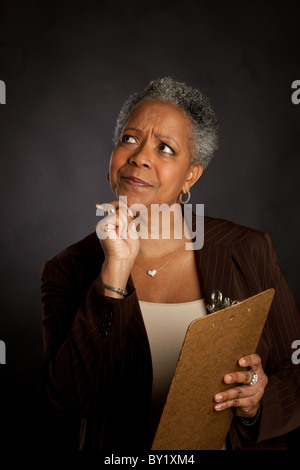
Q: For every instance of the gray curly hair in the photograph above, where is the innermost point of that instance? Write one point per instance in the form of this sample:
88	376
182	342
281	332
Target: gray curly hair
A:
195	105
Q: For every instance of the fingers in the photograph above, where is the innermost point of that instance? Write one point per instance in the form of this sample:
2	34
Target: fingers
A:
117	223
233	396
243	377
245	396
253	361
248	400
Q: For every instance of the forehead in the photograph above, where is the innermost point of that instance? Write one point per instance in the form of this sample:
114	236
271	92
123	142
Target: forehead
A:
162	116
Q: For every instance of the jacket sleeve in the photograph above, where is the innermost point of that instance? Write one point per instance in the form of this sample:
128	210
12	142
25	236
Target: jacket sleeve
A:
280	412
83	336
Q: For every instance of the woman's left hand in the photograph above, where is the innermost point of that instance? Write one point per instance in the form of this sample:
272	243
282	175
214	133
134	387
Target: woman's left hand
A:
245	398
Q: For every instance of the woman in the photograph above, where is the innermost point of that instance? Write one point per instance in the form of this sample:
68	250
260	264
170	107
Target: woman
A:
115	311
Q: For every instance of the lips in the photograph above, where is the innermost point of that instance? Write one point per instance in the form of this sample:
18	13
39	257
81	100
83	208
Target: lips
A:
136	182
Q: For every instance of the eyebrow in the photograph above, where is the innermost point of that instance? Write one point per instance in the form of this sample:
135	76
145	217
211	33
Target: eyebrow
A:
161	136
132	129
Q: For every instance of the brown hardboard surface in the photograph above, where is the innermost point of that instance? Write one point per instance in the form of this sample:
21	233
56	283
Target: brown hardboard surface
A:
212	347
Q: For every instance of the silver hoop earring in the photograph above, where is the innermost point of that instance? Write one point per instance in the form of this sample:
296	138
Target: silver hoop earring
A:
188	194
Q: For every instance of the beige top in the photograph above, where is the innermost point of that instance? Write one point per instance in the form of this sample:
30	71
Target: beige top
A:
166	326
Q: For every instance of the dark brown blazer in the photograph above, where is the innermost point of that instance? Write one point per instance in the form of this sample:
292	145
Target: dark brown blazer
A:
97	361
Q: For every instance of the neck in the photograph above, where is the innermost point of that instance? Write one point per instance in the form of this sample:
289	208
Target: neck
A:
157	248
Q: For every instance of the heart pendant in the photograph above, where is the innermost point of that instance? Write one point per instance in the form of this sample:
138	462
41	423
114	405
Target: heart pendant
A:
151	272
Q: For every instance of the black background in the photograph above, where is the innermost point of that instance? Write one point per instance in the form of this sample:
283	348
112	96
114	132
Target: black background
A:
68	67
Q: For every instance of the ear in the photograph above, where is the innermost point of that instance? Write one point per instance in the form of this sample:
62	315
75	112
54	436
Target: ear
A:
193	174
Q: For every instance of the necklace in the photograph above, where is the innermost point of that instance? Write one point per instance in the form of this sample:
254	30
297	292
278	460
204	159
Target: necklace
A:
152	272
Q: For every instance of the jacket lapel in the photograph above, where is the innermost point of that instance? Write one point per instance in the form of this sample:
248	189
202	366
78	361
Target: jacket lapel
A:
214	270
217	262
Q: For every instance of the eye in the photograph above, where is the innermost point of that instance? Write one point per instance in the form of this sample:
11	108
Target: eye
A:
128	139
166	149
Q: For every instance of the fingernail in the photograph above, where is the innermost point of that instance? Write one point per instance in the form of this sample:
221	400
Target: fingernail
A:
219	397
218	407
242	362
228	378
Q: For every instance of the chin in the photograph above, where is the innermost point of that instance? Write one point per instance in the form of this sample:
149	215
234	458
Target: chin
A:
131	198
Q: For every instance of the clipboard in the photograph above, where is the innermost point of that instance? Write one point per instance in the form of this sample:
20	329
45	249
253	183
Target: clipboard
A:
213	344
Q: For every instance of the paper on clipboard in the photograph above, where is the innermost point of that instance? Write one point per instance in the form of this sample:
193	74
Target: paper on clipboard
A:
212	347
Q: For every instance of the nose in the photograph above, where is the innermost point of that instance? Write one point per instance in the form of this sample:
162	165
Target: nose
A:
141	158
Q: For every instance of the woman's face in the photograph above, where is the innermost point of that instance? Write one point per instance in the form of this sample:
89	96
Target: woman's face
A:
151	163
